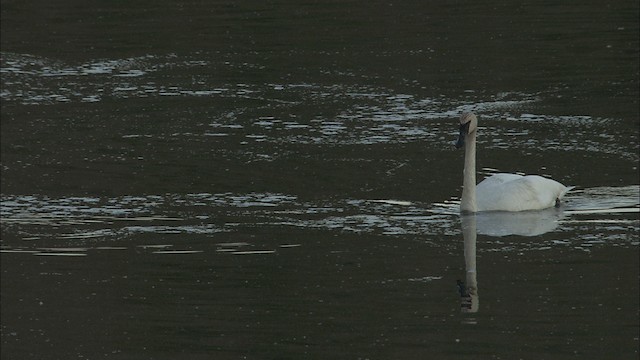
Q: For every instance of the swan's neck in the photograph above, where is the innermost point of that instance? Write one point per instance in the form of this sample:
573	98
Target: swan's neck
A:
468	201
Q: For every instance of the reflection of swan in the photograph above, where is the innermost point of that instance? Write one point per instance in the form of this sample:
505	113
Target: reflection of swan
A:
498	223
523	223
469	301
501	192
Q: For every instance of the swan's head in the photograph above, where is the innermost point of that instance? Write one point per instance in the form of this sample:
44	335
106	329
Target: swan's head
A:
468	125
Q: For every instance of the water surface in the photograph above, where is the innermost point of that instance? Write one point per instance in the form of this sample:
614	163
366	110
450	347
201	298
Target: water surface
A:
278	180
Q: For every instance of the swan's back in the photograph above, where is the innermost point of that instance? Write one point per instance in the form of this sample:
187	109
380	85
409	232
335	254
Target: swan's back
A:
511	192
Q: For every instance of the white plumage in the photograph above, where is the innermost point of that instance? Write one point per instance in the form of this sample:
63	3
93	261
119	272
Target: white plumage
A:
501	192
511	192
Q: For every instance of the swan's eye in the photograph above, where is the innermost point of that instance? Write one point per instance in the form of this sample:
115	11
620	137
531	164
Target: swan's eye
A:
464	128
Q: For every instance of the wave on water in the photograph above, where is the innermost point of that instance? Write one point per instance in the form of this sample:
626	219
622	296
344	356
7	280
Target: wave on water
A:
605	215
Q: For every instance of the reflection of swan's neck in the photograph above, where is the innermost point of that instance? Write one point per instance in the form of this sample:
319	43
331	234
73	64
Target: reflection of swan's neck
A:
468	201
470	303
470	235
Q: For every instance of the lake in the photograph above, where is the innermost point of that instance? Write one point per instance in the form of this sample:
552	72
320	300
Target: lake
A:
277	180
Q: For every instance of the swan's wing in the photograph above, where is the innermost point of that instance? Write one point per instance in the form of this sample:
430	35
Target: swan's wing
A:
498	179
530	192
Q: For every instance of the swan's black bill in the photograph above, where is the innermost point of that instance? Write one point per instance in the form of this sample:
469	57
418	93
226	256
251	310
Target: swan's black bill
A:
464	130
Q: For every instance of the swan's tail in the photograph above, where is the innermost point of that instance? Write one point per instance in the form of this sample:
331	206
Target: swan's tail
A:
565	191
562	194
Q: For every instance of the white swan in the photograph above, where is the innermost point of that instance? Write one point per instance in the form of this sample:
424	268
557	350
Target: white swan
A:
501	192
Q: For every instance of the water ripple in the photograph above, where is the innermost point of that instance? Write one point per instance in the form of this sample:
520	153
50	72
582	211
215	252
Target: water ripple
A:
604	215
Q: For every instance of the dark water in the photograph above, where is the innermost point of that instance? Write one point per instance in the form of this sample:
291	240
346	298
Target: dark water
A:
274	180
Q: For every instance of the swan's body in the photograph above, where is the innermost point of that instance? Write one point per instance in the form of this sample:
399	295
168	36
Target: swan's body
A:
501	192
511	192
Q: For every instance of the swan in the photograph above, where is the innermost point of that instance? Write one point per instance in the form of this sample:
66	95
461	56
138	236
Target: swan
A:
501	192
